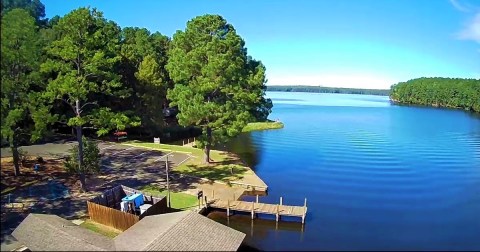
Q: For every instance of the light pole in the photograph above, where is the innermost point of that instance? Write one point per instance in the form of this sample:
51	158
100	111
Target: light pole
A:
168	185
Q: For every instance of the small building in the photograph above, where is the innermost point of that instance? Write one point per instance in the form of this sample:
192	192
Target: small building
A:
45	232
179	231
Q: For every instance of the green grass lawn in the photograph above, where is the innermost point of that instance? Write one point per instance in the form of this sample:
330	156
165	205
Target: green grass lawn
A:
262	126
180	201
225	166
100	228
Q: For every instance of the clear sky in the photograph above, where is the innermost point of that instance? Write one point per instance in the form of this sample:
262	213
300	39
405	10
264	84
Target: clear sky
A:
342	43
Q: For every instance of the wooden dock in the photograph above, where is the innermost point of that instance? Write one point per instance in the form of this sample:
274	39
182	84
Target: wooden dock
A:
255	207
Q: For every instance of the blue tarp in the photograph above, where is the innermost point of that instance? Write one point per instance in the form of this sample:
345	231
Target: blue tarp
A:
136	198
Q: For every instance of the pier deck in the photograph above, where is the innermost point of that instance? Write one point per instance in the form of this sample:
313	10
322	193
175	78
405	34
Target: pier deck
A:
264	208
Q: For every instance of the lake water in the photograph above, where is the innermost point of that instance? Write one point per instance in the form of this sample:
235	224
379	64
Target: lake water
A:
376	176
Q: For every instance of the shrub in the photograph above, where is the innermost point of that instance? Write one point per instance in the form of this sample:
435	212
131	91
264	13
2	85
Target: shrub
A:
91	158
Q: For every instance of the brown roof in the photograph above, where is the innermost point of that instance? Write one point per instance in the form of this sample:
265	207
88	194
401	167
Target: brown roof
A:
180	231
44	232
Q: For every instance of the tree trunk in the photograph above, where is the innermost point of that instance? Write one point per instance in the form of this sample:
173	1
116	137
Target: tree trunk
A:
16	155
208	145
80	151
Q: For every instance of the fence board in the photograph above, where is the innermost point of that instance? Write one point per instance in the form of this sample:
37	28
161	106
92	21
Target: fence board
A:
111	217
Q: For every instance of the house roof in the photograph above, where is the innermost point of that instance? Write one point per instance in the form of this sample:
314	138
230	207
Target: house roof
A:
44	232
180	231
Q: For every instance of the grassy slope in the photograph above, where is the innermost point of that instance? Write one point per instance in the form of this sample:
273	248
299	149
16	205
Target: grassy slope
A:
181	201
262	126
221	168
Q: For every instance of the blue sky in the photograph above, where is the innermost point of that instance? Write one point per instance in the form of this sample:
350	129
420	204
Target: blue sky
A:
343	43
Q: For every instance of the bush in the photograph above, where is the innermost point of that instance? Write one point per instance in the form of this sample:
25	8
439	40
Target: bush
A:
91	158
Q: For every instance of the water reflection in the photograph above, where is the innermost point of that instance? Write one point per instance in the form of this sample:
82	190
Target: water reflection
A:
243	146
261	227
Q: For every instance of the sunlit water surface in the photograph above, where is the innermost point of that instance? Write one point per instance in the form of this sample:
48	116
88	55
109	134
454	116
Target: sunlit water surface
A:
376	176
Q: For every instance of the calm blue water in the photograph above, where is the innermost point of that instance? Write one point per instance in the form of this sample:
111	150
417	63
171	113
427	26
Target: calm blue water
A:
376	176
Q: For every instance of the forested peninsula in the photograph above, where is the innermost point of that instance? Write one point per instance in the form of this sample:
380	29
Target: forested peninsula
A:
439	92
333	90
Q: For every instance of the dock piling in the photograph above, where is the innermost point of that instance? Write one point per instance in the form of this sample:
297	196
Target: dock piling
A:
277	214
257	198
228	208
253	210
281	200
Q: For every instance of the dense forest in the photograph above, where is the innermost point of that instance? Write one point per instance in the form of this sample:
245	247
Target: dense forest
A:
334	90
439	92
85	73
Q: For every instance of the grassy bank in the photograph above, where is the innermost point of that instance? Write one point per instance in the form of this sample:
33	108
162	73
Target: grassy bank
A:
180	201
262	126
225	167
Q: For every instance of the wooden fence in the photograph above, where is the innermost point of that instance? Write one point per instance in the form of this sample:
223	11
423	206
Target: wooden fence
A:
111	217
104	208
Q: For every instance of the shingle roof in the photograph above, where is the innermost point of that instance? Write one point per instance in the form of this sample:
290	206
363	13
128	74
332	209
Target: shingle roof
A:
180	231
43	232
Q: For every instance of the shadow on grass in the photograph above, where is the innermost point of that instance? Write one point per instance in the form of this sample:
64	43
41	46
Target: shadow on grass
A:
225	173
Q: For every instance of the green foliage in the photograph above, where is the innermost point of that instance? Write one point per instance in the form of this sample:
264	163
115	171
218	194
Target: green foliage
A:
217	86
23	113
439	92
83	59
34	7
334	90
142	68
91	158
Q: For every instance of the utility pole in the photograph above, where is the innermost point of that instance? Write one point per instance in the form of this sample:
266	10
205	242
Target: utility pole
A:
168	185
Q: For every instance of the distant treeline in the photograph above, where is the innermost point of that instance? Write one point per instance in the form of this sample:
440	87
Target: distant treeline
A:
439	92
334	90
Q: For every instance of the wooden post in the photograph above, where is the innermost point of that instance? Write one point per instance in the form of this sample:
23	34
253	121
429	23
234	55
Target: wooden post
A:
228	208
277	215
304	211
183	142
198	202
206	200
281	200
253	210
257	198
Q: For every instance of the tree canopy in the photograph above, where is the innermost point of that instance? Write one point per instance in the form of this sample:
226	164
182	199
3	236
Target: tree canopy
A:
439	92
82	60
34	7
217	87
20	81
82	71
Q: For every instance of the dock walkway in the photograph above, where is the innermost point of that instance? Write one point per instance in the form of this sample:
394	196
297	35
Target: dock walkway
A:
255	207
